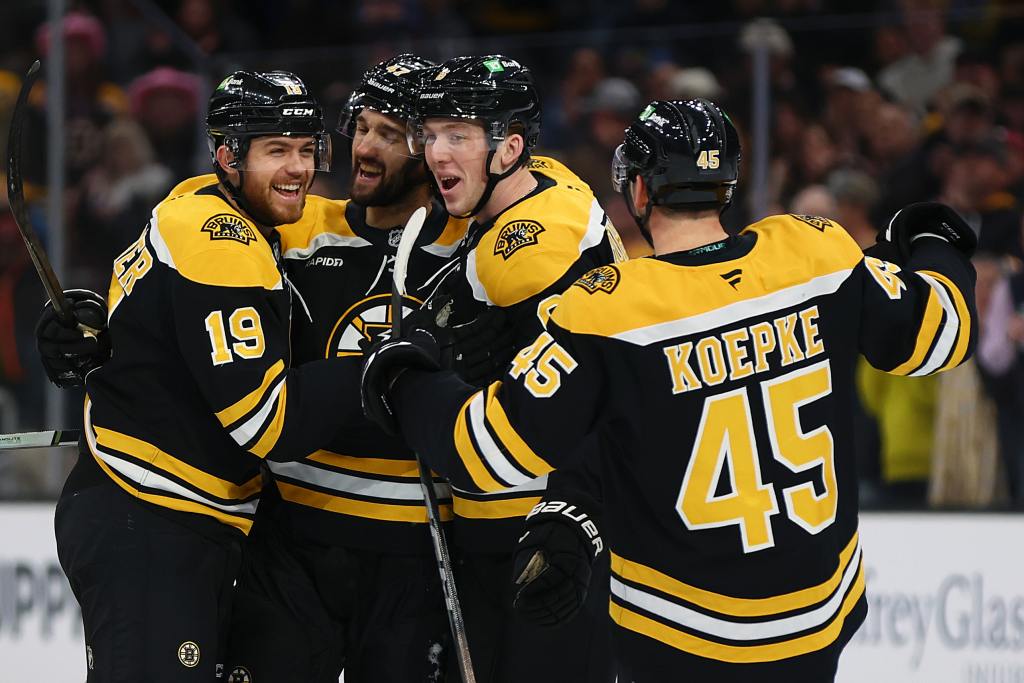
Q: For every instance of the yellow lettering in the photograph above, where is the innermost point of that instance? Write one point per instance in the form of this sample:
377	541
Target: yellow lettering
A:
789	348
739	366
711	360
764	343
683	377
809	323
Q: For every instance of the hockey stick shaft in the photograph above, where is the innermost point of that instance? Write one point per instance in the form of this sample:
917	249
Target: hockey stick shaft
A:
55	437
16	199
437	537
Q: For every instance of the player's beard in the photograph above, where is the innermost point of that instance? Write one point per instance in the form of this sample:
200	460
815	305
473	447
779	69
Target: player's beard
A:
393	186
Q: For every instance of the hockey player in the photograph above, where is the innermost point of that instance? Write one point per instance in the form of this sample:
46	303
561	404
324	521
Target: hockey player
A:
536	227
339	572
198	391
722	368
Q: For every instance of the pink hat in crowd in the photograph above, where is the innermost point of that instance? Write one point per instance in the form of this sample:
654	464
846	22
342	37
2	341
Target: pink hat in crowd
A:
164	80
76	25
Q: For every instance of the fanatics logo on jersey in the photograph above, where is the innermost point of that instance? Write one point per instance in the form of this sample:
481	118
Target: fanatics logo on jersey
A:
816	222
188	654
226	226
515	236
604	279
240	675
733	277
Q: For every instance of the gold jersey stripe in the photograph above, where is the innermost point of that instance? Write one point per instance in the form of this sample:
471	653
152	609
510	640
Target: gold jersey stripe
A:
740	654
964	333
234	412
925	335
493	509
517	447
273	431
471	459
732	606
380	466
148	453
359	508
243	524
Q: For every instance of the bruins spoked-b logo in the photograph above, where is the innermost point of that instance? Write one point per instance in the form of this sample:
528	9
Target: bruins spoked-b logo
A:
362	323
239	675
816	222
515	236
604	279
227	226
188	654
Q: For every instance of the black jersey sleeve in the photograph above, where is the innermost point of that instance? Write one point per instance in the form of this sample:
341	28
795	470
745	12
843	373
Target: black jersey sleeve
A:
234	341
921	318
501	436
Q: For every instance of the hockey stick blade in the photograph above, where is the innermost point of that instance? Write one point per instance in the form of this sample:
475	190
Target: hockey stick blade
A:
444	562
56	437
16	199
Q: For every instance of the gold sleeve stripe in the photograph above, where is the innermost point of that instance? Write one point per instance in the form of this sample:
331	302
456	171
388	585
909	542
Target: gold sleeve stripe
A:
493	509
381	466
740	654
925	335
234	412
468	453
274	428
737	607
960	350
146	452
508	436
347	506
243	524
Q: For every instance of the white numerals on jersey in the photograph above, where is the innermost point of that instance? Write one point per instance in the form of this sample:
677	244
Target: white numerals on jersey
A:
708	159
246	333
541	364
885	275
725	439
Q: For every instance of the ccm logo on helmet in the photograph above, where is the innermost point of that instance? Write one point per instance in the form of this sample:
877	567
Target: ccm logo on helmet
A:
295	111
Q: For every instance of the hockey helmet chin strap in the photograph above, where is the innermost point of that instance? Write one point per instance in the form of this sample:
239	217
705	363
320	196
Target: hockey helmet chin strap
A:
492	181
641	221
239	150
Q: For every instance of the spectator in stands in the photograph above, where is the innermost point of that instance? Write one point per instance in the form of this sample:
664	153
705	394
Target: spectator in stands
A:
915	78
165	102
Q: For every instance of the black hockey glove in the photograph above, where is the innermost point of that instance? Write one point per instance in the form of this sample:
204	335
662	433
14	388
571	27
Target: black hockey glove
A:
925	219
67	353
384	362
552	564
481	349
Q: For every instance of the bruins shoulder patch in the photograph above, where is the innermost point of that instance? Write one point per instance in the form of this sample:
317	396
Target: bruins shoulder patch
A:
604	279
535	163
516	235
228	226
816	222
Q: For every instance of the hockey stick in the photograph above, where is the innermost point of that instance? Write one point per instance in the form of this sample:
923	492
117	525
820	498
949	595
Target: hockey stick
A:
56	437
16	199
444	562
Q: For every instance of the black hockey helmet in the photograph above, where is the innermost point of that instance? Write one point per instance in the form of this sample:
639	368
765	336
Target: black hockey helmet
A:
494	90
687	152
250	104
388	88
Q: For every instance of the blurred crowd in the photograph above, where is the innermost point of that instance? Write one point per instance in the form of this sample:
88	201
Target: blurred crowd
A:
872	106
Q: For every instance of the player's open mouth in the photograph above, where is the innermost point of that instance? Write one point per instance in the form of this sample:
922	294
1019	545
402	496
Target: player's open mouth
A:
449	181
289	191
369	175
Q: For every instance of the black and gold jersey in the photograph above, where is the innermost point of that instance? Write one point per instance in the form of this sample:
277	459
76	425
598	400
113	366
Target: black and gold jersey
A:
362	488
519	261
200	387
724	382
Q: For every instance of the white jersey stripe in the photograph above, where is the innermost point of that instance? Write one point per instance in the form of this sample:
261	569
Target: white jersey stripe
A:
740	631
947	337
325	239
244	433
741	310
489	450
347	483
